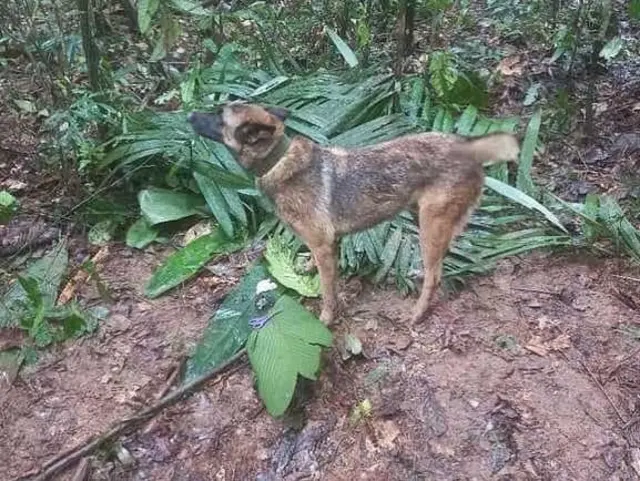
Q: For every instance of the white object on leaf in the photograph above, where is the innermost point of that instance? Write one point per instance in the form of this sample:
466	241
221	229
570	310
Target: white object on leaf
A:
265	285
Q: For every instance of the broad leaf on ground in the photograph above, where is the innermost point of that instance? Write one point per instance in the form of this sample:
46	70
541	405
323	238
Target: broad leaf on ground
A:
141	234
162	205
47	273
281	266
287	346
186	262
228	328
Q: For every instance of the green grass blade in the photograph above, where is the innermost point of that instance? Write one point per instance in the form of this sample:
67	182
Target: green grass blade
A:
344	49
523	180
523	199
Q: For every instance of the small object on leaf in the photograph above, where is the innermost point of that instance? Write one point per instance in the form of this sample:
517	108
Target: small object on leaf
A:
265	285
260	322
265	301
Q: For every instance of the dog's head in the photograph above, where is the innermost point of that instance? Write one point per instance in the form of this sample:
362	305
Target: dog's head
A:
249	130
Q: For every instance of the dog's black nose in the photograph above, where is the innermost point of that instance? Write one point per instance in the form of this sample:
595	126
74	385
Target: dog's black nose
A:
191	117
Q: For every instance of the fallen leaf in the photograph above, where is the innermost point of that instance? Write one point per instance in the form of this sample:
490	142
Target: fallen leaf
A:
360	411
386	433
14	185
634	454
537	347
26	106
353	344
198	230
10	363
510	66
560	343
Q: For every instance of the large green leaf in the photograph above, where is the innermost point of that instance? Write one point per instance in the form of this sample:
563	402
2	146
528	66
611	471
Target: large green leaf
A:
228	329
280	264
162	205
185	263
287	346
141	234
523	199
146	11
216	201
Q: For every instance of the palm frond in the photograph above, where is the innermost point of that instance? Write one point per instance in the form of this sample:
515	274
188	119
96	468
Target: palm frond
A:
338	110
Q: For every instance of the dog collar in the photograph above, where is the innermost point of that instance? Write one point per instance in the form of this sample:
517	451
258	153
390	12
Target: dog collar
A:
274	156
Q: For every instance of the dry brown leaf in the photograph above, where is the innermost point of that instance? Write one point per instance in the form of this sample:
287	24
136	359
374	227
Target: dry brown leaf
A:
70	288
560	343
634	454
536	346
510	66
386	432
198	230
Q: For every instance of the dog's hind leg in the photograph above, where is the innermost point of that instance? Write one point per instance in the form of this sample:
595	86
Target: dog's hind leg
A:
327	263
442	215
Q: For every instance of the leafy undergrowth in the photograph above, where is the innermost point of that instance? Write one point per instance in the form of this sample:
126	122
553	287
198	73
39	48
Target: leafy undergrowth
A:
31	304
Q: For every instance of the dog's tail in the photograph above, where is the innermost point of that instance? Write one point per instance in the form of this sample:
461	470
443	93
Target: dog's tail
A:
492	148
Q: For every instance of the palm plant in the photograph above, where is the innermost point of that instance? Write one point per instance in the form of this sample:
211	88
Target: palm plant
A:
346	110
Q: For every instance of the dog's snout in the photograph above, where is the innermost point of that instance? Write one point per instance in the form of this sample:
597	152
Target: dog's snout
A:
207	125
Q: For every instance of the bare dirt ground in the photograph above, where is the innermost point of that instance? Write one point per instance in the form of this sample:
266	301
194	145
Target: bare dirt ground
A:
532	373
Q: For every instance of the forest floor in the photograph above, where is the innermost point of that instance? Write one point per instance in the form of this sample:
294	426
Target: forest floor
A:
529	373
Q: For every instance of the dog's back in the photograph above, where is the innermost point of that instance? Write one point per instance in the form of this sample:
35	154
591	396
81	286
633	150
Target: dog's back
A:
360	187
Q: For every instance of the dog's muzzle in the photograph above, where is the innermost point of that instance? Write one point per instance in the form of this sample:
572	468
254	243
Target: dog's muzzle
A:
207	125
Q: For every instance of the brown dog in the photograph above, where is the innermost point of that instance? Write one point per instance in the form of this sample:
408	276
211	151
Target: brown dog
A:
325	192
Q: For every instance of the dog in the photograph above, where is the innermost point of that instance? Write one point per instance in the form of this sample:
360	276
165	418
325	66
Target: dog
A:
323	193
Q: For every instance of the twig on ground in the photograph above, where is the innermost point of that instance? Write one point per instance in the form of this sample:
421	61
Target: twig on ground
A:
535	290
627	278
604	391
67	458
165	389
82	472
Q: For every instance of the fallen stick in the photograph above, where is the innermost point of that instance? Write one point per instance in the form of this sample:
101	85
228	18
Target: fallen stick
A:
81	276
67	458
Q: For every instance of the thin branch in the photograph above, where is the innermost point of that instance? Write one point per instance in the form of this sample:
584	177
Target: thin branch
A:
87	447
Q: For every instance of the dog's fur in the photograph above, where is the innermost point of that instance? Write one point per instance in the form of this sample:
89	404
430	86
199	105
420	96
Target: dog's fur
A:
325	192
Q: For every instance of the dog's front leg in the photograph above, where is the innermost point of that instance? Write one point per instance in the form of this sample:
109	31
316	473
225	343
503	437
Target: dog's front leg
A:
325	259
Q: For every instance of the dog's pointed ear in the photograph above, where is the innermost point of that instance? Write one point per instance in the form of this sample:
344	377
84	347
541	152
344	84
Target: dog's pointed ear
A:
278	112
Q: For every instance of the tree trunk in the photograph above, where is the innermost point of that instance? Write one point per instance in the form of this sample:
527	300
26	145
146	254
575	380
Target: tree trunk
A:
88	44
131	14
404	33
